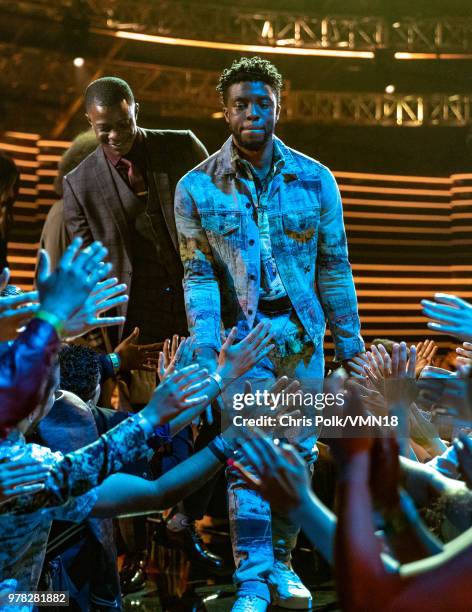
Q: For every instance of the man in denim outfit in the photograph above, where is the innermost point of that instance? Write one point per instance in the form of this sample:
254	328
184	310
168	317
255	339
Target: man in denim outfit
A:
261	236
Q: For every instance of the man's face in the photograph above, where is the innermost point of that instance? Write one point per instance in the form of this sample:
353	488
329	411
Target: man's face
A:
114	126
252	112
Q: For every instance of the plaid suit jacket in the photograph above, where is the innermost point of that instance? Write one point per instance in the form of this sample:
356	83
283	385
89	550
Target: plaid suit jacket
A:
92	207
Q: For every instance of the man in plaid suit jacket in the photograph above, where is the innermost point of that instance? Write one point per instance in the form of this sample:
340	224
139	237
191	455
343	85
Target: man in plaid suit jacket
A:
123	195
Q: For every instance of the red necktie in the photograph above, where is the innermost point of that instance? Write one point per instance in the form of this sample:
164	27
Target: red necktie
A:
133	176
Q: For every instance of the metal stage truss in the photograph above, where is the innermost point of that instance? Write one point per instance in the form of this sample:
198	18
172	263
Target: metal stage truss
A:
185	92
213	22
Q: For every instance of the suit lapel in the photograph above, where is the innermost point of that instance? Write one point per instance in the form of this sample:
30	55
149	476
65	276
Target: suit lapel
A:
159	184
112	198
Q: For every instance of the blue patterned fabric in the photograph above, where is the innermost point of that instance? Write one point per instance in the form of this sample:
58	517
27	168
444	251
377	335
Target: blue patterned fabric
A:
69	494
219	238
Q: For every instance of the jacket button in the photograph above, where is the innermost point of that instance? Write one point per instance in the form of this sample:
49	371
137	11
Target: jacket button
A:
252	277
251	242
249	312
248	205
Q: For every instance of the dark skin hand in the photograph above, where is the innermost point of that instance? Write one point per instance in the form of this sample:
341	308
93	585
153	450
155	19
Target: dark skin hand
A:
136	356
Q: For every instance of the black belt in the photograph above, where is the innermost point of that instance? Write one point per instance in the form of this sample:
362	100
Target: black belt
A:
278	306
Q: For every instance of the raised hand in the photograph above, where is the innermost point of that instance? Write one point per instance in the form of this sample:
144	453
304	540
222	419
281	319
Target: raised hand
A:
106	295
179	391
450	315
237	359
278	473
66	289
425	353
357	365
394	376
446	392
24	475
15	310
465	354
421	429
135	356
175	355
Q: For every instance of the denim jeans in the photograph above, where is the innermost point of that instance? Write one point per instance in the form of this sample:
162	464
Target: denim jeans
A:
259	536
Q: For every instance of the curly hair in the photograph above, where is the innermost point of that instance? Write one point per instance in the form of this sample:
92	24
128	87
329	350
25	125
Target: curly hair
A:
80	370
250	69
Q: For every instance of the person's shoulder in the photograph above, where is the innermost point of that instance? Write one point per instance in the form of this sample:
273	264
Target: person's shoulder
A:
173	136
202	171
56	211
304	162
83	169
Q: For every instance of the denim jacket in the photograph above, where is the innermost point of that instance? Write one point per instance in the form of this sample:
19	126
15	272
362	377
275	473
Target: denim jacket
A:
220	248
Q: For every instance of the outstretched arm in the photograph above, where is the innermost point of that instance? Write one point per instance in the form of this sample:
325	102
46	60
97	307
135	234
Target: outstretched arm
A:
125	494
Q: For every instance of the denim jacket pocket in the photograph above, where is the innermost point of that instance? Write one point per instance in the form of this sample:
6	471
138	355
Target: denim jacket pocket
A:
300	225
221	222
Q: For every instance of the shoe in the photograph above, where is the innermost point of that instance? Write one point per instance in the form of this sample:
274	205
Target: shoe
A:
287	590
133	574
189	540
249	603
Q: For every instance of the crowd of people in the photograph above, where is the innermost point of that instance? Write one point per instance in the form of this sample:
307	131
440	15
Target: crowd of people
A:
168	284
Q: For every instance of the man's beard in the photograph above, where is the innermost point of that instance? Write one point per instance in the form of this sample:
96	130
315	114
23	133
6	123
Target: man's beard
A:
252	145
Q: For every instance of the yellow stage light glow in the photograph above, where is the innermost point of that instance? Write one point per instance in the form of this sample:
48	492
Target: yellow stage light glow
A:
400	55
207	44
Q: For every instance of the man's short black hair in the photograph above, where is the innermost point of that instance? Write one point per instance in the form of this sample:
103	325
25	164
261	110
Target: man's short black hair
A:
80	370
108	91
250	69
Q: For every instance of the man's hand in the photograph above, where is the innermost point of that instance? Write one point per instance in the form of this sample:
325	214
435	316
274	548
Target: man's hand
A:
465	354
421	430
450	315
425	353
393	376
354	366
21	477
446	393
175	355
66	289
277	473
15	310
106	295
135	356
237	359
179	391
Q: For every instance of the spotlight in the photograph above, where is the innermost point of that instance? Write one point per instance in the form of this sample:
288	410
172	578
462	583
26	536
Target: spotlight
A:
390	89
79	62
396	25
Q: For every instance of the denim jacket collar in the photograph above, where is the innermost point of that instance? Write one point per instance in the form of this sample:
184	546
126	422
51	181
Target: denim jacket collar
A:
225	163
